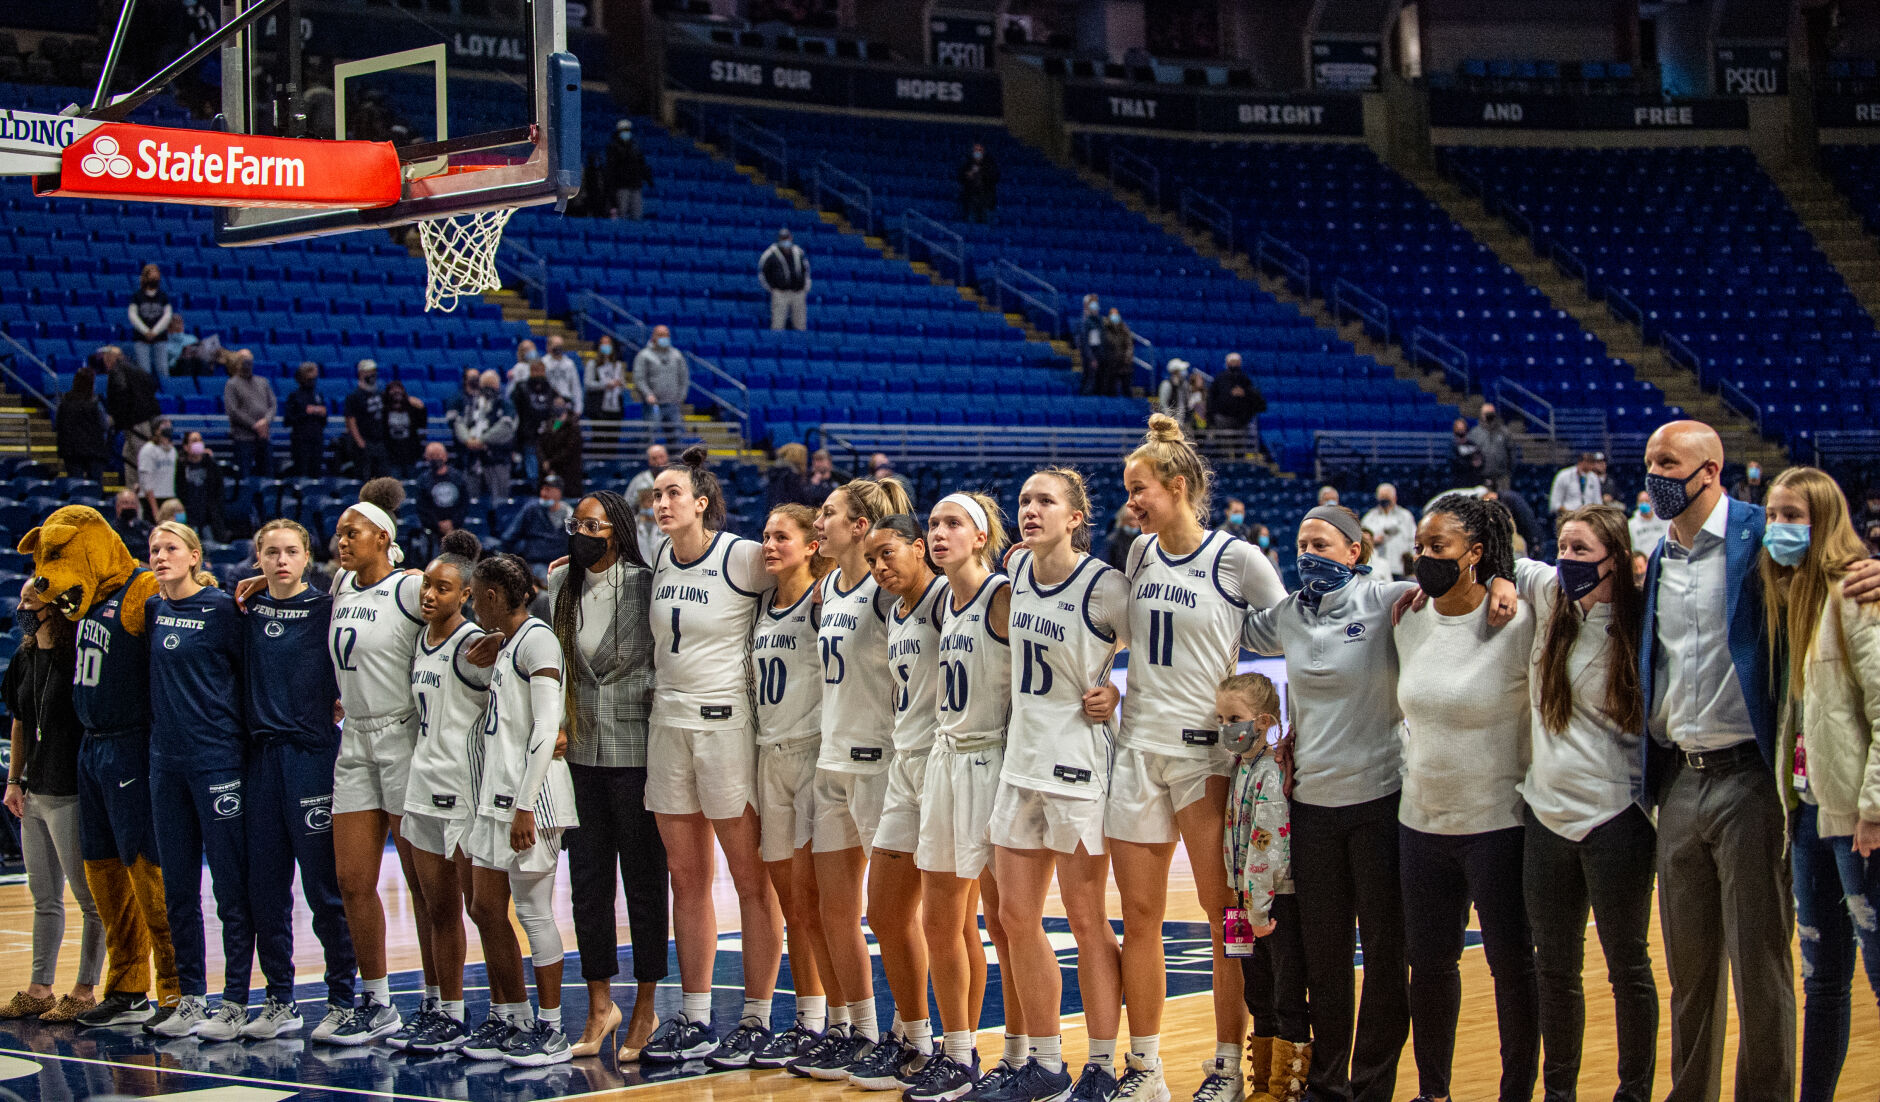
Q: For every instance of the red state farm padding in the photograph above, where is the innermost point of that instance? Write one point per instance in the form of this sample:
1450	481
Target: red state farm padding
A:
206	167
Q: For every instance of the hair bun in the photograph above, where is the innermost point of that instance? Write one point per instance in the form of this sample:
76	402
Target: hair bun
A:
1164	429
387	493
695	457
460	541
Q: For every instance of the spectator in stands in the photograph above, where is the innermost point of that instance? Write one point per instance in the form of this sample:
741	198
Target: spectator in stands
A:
199	488
127	520
661	376
1465	459
789	477
176	342
249	402
1117	363
1263	539
1328	495
604	377
559	445
1197	410
1234	519
149	314
564	372
645	526
880	466
1750	487
822	477
1647	527
305	416
538	532
518	371
486	432
156	469
656	460
84	445
784	272
1234	402
171	510
460	408
1870	514
443	496
534	399
1496	446
1123	532
1393	532
979	185
365	423
626	174
130	401
1090	342
405	419
1577	486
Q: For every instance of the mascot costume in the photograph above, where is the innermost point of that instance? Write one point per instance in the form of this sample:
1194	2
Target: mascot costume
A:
86	573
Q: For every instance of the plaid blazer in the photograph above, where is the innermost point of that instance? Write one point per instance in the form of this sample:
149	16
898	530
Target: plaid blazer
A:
610	697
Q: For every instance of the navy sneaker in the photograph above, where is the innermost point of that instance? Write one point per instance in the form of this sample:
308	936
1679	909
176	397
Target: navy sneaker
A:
538	1046
738	1049
486	1041
1097	1083
785	1047
442	1033
418	1023
881	1067
677	1041
117	1008
370	1020
830	1057
1027	1083
995	1080
942	1079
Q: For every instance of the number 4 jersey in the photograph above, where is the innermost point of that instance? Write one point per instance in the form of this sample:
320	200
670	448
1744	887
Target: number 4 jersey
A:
1063	638
450	694
702	615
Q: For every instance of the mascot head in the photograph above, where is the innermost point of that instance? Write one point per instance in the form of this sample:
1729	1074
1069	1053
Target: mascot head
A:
77	559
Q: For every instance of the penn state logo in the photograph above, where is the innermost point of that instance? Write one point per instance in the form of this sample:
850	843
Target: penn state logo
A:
228	804
172	641
1354	631
319	819
274	630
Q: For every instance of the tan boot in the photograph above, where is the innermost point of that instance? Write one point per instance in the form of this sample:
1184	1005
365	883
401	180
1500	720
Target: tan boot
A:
1290	1064
1259	1067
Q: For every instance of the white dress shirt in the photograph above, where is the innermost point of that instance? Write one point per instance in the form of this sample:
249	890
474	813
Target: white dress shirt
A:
1394	534
1574	489
1697	702
1647	531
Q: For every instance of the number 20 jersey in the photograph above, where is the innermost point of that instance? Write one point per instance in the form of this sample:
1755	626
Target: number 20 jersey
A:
1063	638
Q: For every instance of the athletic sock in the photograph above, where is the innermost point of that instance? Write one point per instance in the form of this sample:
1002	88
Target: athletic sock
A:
812	1012
897	1028
380	989
920	1035
1147	1049
551	1015
515	1013
759	1009
862	1019
838	1015
1017	1048
1103	1052
453	1007
958	1046
697	1006
1049	1052
433	994
1227	1054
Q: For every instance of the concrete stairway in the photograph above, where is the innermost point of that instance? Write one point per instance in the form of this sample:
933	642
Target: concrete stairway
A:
1648	362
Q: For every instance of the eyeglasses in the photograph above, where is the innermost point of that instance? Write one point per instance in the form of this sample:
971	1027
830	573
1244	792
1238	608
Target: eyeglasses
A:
586	527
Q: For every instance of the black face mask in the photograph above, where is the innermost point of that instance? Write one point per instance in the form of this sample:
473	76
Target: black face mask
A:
125	516
585	550
1437	576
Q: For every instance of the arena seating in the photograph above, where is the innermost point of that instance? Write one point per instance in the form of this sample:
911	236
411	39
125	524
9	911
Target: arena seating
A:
1701	246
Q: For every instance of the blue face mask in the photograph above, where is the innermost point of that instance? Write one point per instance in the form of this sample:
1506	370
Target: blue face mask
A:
1787	544
1319	576
1236	518
1644	509
1265	541
663	342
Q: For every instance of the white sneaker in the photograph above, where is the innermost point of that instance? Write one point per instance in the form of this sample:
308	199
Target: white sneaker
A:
1141	1081
225	1024
276	1019
190	1014
337	1015
1222	1082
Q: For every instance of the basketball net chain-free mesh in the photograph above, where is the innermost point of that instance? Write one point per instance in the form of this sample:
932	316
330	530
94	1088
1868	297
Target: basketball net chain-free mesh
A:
460	256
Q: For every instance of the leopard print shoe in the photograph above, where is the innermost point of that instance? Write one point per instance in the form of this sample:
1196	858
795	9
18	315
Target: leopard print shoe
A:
26	1006
68	1009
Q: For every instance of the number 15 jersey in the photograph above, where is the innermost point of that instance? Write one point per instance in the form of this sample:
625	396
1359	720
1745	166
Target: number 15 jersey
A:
1063	638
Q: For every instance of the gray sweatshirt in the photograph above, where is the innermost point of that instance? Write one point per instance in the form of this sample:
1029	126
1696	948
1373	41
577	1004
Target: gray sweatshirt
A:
247	401
1341	675
661	375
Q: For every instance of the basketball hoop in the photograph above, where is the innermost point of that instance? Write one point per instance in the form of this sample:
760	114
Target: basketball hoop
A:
460	255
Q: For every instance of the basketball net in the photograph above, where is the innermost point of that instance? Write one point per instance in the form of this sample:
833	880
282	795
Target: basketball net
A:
460	256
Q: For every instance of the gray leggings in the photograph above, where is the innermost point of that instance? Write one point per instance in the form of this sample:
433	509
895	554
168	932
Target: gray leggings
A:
49	838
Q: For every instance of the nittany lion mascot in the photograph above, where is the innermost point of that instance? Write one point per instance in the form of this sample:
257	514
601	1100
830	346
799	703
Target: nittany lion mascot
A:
84	571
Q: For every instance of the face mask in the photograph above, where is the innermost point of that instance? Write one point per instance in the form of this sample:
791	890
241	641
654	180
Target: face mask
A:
585	550
369	384
1755	474
1091	308
1239	738
125	516
182	518
1578	577
607	351
1115	317
1787	544
978	155
1320	575
1236	518
1438	576
1645	509
1265	541
663	342
195	450
548	503
441	466
1670	496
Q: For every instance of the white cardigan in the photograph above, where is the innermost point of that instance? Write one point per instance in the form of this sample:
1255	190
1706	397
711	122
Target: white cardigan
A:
1840	718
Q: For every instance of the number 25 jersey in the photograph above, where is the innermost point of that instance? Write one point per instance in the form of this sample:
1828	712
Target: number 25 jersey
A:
1063	638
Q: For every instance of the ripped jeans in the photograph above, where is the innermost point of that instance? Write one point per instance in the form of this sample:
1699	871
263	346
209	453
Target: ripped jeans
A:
1836	894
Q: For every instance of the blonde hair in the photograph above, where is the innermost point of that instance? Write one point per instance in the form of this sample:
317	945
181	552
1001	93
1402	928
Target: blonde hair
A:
1170	454
873	499
190	540
1078	494
995	528
282	524
169	510
1258	688
796	455
1793	596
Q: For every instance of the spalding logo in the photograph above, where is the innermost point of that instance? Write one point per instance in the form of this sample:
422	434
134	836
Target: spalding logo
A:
319	819
228	804
1354	631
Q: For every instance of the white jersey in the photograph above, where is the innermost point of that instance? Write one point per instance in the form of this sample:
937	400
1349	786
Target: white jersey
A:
858	700
702	614
374	633
1184	628
975	698
788	673
510	763
914	660
449	694
1063	639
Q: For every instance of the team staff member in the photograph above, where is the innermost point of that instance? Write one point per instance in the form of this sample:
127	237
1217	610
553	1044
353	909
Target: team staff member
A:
198	748
291	696
1189	591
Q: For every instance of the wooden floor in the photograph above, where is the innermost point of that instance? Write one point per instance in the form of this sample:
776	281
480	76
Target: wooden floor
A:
1187	1028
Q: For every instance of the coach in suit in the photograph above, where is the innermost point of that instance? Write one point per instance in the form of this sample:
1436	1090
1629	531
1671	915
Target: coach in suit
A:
1724	884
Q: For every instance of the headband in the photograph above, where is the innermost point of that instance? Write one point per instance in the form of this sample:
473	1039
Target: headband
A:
379	517
973	509
1338	517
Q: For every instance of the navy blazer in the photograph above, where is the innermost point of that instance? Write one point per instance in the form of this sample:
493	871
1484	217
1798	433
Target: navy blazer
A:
1749	631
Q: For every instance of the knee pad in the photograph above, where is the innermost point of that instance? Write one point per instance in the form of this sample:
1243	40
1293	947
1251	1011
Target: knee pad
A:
535	908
